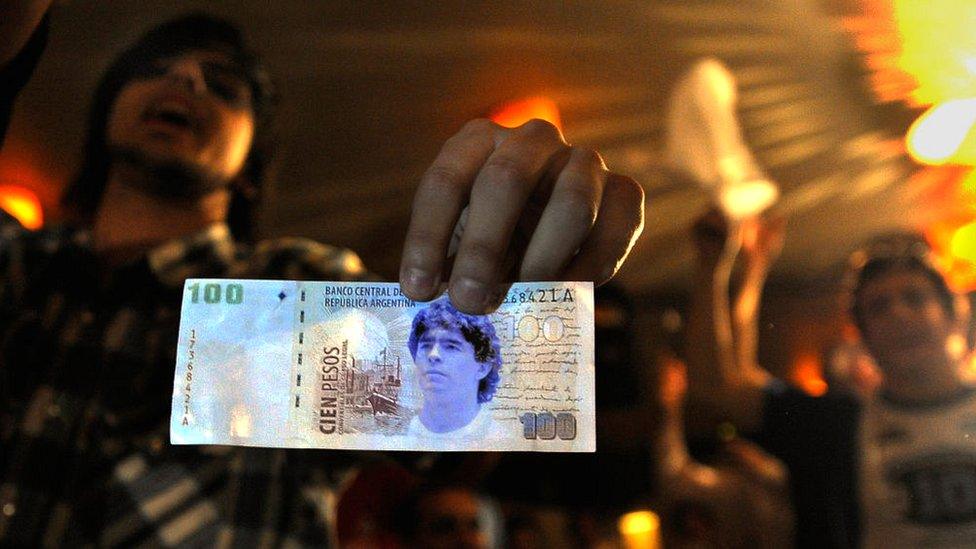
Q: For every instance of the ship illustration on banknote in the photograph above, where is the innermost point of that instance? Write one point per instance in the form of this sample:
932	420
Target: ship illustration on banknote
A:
375	387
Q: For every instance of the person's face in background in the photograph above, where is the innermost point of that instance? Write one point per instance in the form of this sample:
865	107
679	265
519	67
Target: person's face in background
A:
193	110
904	324
451	518
446	365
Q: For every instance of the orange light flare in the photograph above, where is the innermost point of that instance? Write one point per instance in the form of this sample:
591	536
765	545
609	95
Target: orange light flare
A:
953	240
969	368
921	52
938	47
924	54
640	530
518	112
807	373
29	183
673	384
23	205
951	191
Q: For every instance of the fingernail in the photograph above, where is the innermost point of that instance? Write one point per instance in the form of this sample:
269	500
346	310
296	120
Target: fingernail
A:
418	281
470	294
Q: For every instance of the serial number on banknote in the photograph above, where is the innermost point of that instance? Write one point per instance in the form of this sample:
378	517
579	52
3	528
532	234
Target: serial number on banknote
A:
188	378
544	295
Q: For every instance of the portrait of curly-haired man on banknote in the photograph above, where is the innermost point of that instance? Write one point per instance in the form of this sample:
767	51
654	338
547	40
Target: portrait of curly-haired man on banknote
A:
458	359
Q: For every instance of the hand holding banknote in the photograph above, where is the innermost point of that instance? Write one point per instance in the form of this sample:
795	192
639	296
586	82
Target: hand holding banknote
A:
370	366
532	208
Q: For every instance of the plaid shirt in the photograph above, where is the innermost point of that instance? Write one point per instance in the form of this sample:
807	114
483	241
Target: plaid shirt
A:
86	374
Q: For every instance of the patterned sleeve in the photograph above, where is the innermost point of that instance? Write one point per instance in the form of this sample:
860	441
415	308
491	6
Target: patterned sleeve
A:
304	259
26	263
13	249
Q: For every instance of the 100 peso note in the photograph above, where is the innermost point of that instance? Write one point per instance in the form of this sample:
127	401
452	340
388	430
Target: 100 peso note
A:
353	365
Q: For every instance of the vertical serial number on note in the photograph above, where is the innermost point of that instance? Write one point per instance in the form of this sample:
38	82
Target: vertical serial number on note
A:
188	378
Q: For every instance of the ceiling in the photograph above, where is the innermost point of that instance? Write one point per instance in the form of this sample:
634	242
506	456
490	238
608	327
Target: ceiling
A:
371	89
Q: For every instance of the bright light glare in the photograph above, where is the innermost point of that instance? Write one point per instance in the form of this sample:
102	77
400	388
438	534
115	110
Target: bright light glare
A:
942	237
640	530
23	204
747	199
807	374
943	134
937	47
964	243
638	522
516	113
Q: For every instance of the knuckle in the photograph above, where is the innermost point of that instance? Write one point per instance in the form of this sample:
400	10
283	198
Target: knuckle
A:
579	196
418	254
482	254
506	170
587	157
423	246
542	129
479	126
421	241
586	170
582	218
441	179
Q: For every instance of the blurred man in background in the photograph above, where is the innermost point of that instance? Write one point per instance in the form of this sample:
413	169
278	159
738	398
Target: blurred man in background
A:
448	517
905	463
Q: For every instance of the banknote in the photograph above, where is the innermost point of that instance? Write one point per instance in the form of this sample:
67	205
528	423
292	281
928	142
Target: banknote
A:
355	365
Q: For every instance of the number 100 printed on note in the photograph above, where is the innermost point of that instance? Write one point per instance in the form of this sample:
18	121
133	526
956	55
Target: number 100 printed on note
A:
351	365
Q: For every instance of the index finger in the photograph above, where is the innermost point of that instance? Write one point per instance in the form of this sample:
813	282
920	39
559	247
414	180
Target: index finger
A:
442	194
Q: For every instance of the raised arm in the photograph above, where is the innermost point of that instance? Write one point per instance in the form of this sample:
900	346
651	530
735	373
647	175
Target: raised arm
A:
717	383
741	500
709	345
762	241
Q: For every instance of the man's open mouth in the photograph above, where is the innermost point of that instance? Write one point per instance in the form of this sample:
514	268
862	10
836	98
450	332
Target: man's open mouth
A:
175	114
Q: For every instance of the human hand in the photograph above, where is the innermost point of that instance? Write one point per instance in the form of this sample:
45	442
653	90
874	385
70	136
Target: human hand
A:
716	239
762	240
535	208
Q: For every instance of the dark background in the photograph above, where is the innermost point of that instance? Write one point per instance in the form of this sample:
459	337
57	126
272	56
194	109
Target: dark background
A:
371	89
